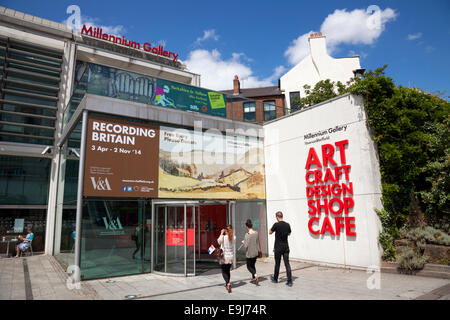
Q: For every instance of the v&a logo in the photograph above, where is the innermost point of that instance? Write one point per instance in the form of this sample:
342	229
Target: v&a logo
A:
101	184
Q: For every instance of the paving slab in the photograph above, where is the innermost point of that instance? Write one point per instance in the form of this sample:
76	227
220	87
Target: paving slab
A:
46	280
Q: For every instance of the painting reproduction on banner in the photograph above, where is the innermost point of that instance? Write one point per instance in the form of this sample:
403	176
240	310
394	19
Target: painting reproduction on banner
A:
210	165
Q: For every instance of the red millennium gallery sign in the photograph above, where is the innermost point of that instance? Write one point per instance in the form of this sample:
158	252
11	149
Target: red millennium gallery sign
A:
175	237
147	47
326	192
121	159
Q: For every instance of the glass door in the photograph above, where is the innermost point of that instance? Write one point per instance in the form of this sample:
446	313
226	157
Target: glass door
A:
184	231
174	238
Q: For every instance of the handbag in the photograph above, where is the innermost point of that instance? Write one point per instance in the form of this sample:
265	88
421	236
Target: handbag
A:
259	250
219	253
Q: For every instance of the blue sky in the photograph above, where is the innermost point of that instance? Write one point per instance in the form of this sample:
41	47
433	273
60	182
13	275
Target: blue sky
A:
252	38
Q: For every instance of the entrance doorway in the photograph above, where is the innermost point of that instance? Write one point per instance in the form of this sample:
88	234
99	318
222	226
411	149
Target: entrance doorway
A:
183	233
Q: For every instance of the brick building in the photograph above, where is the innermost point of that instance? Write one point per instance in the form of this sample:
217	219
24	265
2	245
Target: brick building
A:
254	104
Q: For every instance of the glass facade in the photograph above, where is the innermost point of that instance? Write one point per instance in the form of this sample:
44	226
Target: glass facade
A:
15	221
115	238
24	180
256	211
29	82
130	86
30	87
23	198
115	233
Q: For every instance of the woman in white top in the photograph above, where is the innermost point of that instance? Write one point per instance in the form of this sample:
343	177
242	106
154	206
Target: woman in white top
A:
226	242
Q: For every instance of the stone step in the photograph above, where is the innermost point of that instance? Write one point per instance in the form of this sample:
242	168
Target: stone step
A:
430	270
437	267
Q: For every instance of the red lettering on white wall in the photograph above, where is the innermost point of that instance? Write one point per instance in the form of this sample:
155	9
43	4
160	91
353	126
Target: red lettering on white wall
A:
329	190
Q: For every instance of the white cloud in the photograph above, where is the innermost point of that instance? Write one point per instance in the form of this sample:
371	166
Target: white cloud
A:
429	49
361	54
414	36
218	73
161	43
344	27
208	34
117	30
298	49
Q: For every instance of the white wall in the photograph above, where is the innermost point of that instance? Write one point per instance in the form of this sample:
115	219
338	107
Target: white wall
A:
285	158
318	65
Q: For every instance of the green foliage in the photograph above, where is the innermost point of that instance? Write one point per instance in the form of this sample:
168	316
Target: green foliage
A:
410	260
322	91
437	172
412	257
411	132
427	234
387	235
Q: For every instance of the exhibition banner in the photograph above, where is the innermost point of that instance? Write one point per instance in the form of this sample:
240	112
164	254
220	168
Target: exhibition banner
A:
130	159
120	84
207	165
121	159
188	98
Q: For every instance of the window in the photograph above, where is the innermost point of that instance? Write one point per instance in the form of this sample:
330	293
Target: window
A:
294	94
24	180
249	112
269	110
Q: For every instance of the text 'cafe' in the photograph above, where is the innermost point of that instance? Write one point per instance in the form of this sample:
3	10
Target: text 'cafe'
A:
122	164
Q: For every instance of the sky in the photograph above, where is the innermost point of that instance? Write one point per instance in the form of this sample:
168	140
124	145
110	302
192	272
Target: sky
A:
261	40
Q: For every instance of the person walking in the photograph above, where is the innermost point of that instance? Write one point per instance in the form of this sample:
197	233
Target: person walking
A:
226	243
282	230
251	244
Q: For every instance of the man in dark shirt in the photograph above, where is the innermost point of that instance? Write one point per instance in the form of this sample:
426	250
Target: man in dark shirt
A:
281	248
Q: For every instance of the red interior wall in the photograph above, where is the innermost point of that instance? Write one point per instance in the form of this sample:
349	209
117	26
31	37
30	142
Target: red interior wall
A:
216	215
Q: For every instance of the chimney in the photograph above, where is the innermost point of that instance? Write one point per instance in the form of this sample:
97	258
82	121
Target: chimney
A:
236	85
317	45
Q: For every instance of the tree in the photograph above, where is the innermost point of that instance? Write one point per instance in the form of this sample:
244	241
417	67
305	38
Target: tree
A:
322	91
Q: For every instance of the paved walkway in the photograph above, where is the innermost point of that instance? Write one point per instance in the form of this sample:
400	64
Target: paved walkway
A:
41	277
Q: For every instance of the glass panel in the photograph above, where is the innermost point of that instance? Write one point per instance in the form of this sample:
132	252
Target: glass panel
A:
27	120
26	99
10	219
29	110
190	238
107	244
212	219
65	222
24	180
147	222
249	111
120	84
256	211
66	249
175	240
160	239
294	94
25	140
269	110
12	128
